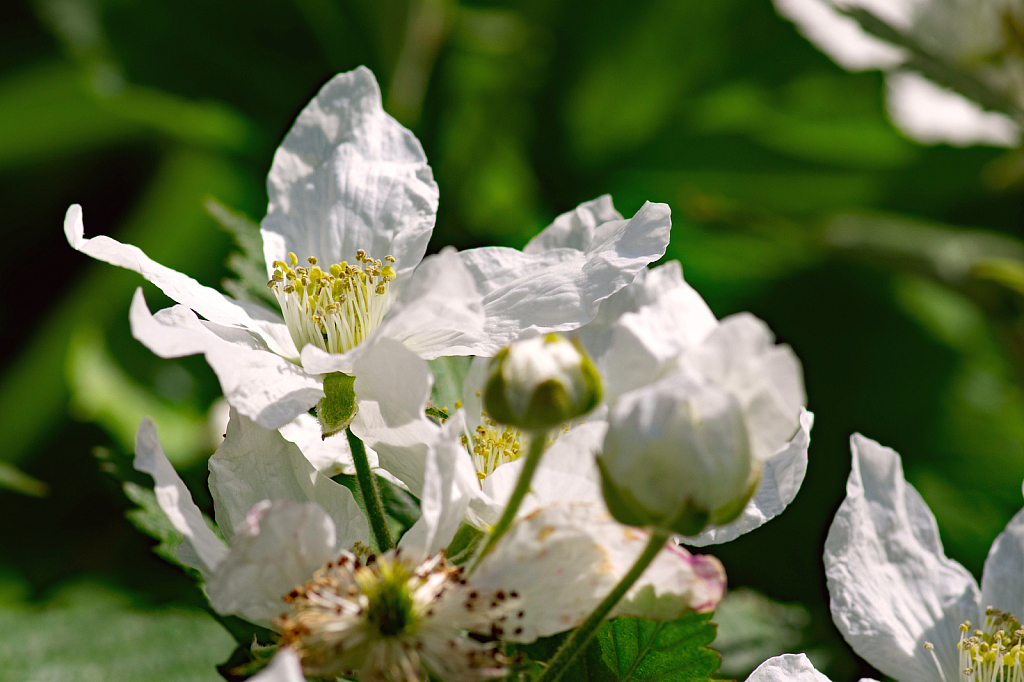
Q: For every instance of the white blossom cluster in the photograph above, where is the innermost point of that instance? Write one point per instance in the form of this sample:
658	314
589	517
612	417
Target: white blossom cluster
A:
605	408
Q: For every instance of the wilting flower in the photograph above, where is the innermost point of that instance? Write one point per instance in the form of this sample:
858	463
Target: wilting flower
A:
981	37
352	207
905	607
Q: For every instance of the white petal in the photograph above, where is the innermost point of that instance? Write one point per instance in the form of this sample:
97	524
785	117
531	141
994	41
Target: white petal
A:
446	493
840	36
255	464
393	386
200	549
780	481
566	473
740	356
532	558
578	229
347	177
261	385
931	114
787	668
640	330
284	667
1002	583
439	310
278	547
561	289
330	456
891	586
181	288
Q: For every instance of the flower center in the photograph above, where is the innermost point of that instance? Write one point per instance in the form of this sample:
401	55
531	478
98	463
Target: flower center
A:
493	444
993	652
390	607
389	618
334	310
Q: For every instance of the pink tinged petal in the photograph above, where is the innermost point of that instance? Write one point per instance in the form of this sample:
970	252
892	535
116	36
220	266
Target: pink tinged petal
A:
347	177
562	560
261	385
1002	583
891	586
780	481
181	288
561	289
284	667
201	548
277	548
787	668
255	464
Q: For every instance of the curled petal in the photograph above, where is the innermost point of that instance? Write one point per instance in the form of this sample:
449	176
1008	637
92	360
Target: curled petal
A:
258	383
891	586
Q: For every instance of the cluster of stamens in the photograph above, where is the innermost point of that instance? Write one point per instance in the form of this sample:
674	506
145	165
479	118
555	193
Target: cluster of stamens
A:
992	654
334	310
390	619
492	445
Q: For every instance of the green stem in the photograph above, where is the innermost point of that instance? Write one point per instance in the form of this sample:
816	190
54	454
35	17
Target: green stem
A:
537	442
578	640
370	492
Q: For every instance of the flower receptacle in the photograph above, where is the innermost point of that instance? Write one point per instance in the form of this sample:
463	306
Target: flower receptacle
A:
338	407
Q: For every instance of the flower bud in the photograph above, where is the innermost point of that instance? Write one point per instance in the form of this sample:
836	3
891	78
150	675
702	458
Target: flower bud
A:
540	383
687	451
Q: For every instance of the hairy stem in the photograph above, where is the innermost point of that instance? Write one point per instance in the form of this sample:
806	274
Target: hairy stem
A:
537	442
370	492
578	640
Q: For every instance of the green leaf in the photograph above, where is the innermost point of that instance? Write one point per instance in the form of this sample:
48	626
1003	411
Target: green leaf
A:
12	478
449	373
152	521
89	633
249	264
634	650
752	628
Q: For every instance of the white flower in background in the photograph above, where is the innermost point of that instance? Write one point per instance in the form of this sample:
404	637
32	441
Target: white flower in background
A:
414	613
658	347
905	607
787	668
688	450
981	37
352	207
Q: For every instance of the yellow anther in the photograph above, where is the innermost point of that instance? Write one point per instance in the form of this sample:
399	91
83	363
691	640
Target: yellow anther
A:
289	289
388	273
316	273
389	258
293	259
271	284
312	260
458	405
929	646
335	270
360	255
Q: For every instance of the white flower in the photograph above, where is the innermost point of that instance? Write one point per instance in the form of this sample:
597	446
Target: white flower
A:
656	345
787	668
688	449
352	207
970	34
902	605
516	594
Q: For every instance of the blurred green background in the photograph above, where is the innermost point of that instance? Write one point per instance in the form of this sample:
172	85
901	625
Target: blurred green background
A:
893	269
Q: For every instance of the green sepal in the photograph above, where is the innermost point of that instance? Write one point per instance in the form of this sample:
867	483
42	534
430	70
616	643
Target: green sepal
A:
625	508
730	512
338	407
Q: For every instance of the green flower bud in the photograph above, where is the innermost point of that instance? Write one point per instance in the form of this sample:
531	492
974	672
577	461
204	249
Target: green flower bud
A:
540	383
